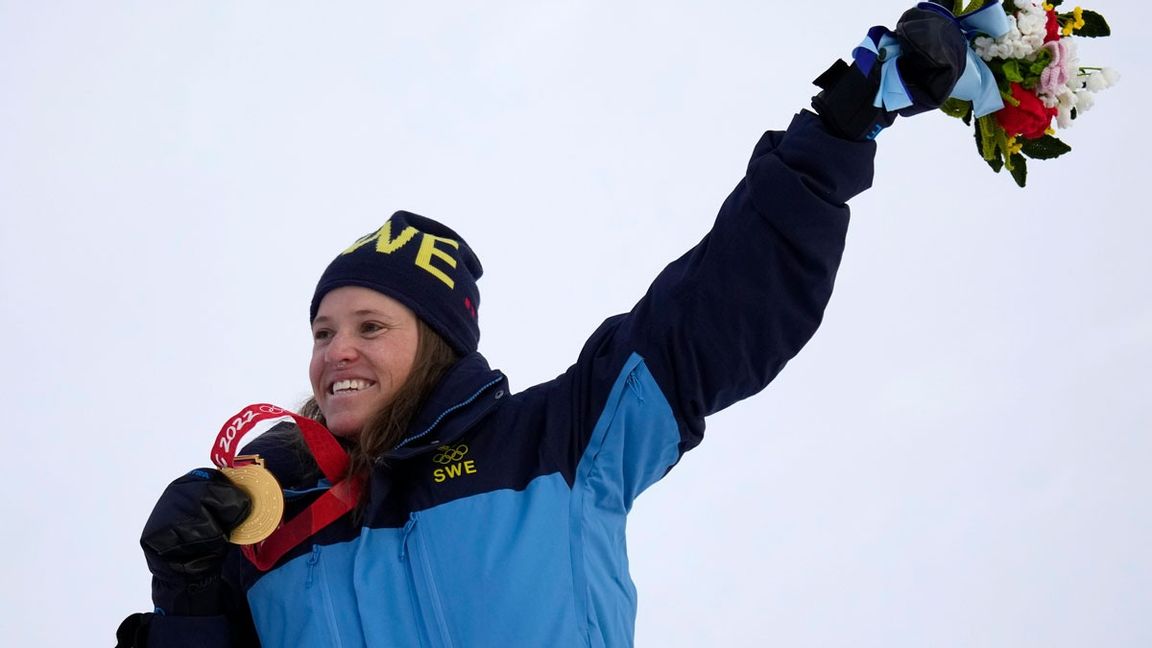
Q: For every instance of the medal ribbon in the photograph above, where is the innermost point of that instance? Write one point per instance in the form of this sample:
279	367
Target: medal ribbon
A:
330	457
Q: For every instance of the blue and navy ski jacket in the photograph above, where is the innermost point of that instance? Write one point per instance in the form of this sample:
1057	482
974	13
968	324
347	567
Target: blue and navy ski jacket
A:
500	520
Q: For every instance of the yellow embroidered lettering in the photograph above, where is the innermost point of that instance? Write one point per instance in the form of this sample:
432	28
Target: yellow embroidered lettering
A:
450	458
428	249
385	244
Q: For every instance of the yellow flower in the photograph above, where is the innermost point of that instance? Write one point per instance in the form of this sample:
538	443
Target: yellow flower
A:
1049	7
1077	22
1013	146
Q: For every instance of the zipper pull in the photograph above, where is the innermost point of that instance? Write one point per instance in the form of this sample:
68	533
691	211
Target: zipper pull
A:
312	561
408	528
634	383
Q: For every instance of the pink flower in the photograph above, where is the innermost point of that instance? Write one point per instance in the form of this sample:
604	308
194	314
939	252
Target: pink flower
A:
1055	76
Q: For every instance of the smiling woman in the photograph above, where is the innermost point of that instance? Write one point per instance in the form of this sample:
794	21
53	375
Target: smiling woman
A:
484	518
369	395
364	348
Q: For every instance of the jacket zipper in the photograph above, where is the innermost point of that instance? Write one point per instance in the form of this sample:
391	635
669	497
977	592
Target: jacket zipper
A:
634	384
446	412
312	561
324	593
414	551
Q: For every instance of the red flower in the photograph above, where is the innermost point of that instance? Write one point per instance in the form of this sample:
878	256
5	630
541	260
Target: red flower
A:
1030	119
1053	27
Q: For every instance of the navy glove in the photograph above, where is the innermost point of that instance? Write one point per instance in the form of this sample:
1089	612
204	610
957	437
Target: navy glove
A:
185	541
133	631
934	54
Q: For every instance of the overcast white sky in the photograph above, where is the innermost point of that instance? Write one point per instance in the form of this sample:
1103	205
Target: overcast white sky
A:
960	457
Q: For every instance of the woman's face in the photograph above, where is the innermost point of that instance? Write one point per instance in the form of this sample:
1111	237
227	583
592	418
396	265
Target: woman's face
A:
364	346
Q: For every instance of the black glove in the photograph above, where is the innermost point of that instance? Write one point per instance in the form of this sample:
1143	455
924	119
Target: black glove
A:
133	631
185	541
934	54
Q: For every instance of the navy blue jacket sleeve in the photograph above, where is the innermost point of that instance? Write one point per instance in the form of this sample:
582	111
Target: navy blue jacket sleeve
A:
721	321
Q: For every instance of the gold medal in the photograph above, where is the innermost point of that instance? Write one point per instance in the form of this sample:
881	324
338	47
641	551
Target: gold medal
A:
267	500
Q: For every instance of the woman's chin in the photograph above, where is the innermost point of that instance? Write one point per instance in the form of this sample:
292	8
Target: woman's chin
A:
345	427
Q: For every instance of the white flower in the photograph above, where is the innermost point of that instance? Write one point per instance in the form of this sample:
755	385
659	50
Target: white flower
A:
1068	101
1071	55
1025	35
986	48
1063	116
1098	80
1032	24
1084	102
1095	81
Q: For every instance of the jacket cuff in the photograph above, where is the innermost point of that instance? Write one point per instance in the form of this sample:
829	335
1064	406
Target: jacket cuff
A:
826	167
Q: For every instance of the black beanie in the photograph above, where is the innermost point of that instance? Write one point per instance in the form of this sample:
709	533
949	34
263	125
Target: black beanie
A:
422	264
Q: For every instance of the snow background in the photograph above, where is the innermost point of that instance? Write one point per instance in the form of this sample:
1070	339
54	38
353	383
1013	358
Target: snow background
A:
959	458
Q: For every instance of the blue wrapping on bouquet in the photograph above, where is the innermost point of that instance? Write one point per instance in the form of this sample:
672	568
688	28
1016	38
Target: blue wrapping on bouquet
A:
976	84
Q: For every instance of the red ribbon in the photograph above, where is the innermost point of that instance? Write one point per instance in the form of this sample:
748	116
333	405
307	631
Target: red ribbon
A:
330	457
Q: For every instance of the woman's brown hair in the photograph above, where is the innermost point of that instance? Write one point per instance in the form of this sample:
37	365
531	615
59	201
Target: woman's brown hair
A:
389	426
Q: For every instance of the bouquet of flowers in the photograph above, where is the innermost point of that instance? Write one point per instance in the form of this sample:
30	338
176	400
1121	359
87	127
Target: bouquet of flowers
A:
1037	70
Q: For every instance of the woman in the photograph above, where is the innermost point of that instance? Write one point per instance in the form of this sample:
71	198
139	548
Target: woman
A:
489	518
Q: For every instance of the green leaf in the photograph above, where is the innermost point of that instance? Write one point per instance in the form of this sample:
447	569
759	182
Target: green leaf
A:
1055	3
1019	169
1044	148
1094	26
973	5
1012	71
958	7
996	163
1043	59
987	148
959	109
992	137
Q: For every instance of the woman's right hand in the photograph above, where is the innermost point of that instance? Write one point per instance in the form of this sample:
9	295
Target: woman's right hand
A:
933	56
185	540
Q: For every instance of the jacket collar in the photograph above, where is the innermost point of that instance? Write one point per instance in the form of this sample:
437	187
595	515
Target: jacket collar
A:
467	392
